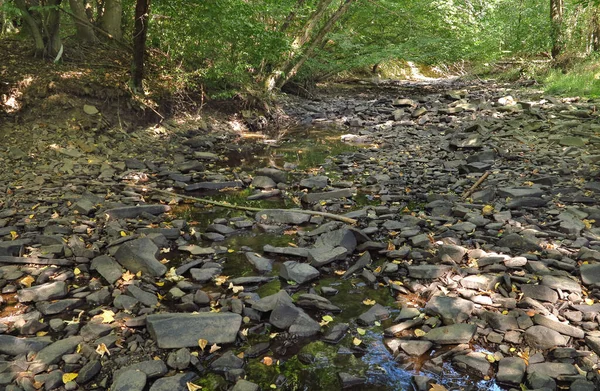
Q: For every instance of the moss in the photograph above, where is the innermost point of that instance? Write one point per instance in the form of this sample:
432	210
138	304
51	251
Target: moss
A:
211	381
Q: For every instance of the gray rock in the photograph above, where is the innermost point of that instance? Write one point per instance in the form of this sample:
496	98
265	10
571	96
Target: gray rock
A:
205	274
562	283
517	242
263	182
415	348
88	371
304	326
315	182
48	291
107	267
298	272
456	253
322	256
284	315
498	321
427	272
273	173
543	338
176	382
474	363
582	385
363	261
268	303
375	313
130	380
261	264
311	198
511	371
281	216
294	251
539	292
540	382
245	385
348	380
590	273
336	333
52	353
151	368
131	212
480	282
179	330
450	309
552	369
452	335
15	346
149	299
562	328
213	185
140	255
337	238
179	359
57	306
520	192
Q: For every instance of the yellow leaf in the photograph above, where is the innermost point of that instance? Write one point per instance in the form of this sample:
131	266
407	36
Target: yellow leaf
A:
107	316
160	283
230	250
273	335
340	272
13	235
67	377
220	280
437	387
391	246
356	341
160	297
244	332
505	312
101	349
589	301
361	331
419	332
490	358
327	318
273	386
27	281
377	270
76	271
165	250
193	387
127	276
214	348
235	289
240	355
487	210
123	233
202	343
268	361
138	274
369	302
41	333
78	350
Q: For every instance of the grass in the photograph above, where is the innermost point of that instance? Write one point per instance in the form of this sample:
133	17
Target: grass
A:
582	80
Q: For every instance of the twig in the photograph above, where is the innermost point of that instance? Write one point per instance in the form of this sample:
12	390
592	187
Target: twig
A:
207	201
468	193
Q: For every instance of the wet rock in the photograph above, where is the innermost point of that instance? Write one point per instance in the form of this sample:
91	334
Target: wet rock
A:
511	371
304	326
337	238
415	348
283	315
268	303
130	380
298	272
543	338
139	255
336	333
474	363
48	291
245	385
294	251
451	309
316	302
452	335
363	261
347	380
375	313
179	330
261	264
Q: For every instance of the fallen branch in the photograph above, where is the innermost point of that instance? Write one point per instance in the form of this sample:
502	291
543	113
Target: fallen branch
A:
207	201
468	193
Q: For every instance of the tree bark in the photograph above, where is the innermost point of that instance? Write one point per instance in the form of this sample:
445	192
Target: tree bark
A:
556	17
52	29
85	32
33	27
595	34
111	18
140	31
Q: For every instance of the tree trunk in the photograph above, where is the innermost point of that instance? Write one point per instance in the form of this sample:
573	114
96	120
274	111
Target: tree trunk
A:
111	18
292	70
556	17
52	29
595	34
33	27
140	31
85	32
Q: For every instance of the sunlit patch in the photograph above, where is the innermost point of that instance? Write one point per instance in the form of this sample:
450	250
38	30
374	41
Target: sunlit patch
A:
71	75
236	126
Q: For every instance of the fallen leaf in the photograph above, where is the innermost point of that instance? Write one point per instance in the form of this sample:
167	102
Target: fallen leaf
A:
490	358
214	348
437	387
165	250
244	332
268	361
67	377
27	281
107	316
419	332
327	318
202	343
41	333
193	387
220	280
123	233
487	210
589	301
240	355
101	349
76	271
369	302
13	235
340	272
361	331
356	341
127	276
235	289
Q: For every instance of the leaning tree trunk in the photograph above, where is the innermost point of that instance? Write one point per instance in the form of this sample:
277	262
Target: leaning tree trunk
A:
52	29
83	26
140	31
556	18
33	27
111	18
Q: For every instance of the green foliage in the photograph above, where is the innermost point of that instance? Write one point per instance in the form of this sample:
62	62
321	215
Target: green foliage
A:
582	80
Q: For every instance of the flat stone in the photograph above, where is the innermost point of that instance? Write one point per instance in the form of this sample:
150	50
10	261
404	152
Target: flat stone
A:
539	292
427	272
273	173
52	353
149	299
108	268
298	272
58	306
261	264
179	330
474	363
452	335
284	315
543	338
132	212
130	380
151	368
499	321
337	238
520	192
552	369
590	273
293	251
14	346
176	382
311	198
315	182
450	309
562	328
348	380
213	185
281	216
139	255
263	182
511	371
375	313
48	291
415	348
304	326
245	385
363	261
336	333
456	253
322	256
479	282
571	141
562	283
268	303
